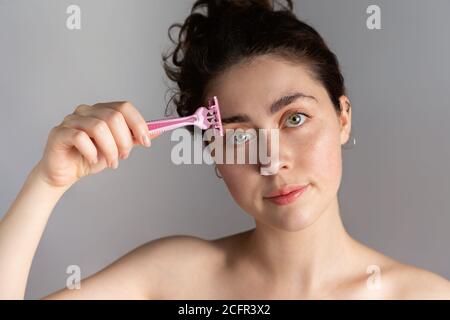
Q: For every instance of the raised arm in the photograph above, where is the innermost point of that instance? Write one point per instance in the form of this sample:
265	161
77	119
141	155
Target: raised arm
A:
86	142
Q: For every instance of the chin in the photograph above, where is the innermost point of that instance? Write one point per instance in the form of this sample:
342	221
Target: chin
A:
291	220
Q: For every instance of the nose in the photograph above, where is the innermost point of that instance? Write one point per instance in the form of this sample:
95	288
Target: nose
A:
278	159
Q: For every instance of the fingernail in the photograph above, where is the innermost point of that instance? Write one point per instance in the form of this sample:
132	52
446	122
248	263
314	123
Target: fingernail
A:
146	140
115	164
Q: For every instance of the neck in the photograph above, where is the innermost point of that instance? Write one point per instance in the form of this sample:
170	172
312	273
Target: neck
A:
309	257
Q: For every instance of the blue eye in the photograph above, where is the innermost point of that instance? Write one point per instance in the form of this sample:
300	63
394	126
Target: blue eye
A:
297	119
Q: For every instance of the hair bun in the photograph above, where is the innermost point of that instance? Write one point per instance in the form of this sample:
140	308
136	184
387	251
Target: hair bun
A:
217	7
263	4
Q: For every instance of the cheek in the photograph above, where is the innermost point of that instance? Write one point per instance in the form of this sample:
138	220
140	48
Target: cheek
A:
324	162
244	193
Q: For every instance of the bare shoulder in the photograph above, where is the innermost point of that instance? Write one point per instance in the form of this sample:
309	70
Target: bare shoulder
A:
419	284
156	269
188	266
176	246
404	281
178	263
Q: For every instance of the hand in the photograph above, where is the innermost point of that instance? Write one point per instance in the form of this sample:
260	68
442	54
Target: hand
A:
91	139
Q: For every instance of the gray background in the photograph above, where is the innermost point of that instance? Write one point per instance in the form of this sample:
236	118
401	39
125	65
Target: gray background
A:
395	189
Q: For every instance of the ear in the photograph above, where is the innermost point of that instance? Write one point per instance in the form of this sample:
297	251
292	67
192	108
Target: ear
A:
345	118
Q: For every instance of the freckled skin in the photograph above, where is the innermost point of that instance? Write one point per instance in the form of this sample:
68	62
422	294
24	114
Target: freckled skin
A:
310	153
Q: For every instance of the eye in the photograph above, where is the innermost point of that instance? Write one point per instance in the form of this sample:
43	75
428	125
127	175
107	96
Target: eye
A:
239	137
296	119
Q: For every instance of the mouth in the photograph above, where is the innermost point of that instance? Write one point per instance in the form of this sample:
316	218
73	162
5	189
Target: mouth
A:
286	195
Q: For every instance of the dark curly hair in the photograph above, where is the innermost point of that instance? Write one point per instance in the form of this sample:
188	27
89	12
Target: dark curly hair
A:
232	31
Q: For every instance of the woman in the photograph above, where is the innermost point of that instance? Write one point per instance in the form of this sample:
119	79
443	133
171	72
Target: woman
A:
250	56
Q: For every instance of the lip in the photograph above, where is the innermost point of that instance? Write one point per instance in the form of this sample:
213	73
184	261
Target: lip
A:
286	194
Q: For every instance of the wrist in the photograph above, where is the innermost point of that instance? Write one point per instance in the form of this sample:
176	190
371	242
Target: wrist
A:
36	177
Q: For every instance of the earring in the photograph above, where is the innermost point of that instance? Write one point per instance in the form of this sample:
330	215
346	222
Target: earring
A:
217	173
350	143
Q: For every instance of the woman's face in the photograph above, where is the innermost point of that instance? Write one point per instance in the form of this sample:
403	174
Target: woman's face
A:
310	137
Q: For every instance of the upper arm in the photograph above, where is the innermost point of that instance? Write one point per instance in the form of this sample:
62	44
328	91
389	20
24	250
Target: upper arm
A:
136	275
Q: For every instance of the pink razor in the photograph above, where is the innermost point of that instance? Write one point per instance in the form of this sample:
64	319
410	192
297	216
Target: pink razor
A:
204	118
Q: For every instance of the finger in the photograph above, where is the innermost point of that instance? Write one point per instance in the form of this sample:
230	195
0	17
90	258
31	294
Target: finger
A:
134	120
154	135
119	129
91	111
99	131
82	109
132	116
151	135
69	137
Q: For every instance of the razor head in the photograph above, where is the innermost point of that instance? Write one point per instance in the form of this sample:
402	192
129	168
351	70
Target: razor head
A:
213	107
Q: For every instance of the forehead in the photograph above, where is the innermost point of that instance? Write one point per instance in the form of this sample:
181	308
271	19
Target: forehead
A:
260	81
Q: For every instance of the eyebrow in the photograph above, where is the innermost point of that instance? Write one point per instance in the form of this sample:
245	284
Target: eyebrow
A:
276	106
